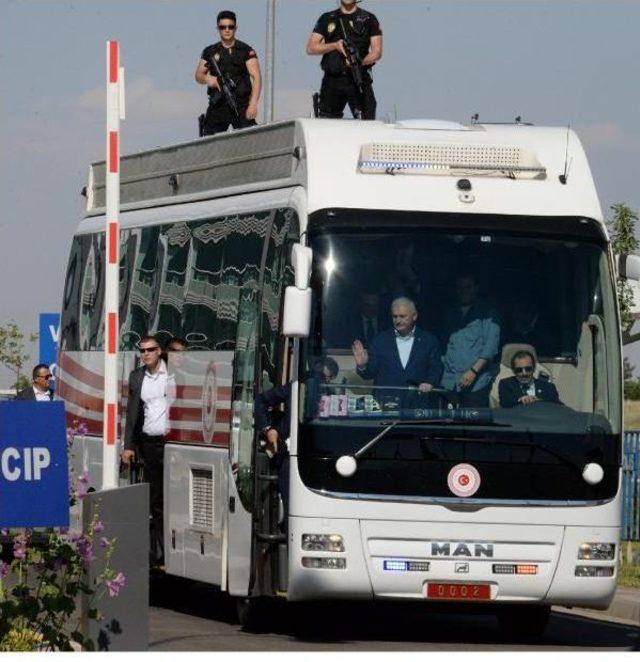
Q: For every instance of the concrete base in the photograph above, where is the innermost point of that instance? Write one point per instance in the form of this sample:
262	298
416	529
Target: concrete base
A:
125	514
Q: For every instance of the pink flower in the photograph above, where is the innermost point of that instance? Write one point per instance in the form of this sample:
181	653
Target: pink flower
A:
98	526
114	585
85	549
20	546
5	568
84	477
104	542
83	429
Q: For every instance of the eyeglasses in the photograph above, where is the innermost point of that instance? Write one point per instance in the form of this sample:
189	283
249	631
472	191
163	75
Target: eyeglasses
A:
227	26
526	369
146	350
45	376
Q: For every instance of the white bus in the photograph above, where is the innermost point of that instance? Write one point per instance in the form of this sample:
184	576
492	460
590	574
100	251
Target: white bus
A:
512	508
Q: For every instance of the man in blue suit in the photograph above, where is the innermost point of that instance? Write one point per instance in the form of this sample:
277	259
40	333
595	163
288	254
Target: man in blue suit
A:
402	356
522	388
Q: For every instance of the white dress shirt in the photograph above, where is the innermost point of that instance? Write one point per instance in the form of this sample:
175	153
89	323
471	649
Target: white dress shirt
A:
154	398
41	396
404	344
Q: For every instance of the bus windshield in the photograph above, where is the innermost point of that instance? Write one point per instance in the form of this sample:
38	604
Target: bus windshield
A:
493	348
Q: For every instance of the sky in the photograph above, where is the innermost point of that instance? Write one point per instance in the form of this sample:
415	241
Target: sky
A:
553	62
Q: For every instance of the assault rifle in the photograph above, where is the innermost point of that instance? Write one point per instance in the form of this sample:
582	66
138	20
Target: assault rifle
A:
226	85
355	68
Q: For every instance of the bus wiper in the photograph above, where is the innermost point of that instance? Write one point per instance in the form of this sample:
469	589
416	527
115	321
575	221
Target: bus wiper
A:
347	465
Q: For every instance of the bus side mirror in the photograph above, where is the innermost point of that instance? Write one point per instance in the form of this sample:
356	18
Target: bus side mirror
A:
296	317
629	266
301	257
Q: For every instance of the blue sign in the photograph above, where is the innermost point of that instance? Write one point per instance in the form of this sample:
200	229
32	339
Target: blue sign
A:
34	473
49	334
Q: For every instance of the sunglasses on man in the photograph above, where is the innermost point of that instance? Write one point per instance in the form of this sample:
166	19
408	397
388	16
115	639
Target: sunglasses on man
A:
146	350
226	26
526	369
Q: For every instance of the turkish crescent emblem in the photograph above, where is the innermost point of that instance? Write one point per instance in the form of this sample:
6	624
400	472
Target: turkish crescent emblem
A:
331	27
209	398
464	480
216	57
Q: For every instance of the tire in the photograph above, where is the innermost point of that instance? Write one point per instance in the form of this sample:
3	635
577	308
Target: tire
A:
524	622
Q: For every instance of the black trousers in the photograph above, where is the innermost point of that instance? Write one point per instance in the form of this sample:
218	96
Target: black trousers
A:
338	91
218	118
152	448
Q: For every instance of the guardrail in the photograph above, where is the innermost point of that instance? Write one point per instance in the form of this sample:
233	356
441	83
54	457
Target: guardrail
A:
631	486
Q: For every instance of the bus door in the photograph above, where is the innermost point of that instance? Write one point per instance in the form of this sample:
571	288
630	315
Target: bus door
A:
257	366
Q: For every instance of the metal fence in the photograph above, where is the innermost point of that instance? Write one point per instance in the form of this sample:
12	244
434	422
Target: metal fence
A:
631	486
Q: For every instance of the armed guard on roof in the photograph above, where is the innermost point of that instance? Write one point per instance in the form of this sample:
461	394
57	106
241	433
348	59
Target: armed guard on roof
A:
230	70
350	42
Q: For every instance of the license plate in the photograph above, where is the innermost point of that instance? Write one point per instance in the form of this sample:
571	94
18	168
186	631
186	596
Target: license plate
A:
440	591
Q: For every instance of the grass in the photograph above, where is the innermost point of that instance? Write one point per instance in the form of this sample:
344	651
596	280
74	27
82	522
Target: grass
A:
632	414
629	574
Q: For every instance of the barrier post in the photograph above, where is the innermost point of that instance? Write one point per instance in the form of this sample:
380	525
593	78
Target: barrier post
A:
115	109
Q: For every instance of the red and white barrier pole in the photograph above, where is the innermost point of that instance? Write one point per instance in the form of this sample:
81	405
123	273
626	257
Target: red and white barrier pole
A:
115	112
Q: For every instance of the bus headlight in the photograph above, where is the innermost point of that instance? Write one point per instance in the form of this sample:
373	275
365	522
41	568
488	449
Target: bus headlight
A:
322	542
597	551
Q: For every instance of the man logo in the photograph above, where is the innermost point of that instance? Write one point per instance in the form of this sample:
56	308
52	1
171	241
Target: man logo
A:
462	568
471	549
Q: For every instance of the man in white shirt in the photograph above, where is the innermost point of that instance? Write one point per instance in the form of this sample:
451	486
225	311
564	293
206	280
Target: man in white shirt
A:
39	389
145	429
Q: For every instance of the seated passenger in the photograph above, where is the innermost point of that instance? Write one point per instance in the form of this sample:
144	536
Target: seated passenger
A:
529	327
523	388
473	334
402	356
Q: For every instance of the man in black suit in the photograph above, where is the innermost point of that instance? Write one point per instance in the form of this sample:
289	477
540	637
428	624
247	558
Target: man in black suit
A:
363	322
40	389
145	429
523	389
402	356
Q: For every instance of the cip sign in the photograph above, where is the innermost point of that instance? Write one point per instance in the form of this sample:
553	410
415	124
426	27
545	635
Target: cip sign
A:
34	473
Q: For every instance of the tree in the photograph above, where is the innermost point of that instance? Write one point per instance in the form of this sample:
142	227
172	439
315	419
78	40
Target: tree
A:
624	242
627	369
12	351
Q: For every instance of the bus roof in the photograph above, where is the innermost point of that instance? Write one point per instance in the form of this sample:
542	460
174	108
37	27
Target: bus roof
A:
410	165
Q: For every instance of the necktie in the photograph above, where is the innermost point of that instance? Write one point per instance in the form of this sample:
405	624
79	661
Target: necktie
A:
368	331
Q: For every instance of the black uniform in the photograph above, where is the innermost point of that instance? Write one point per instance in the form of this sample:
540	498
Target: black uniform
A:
338	87
233	64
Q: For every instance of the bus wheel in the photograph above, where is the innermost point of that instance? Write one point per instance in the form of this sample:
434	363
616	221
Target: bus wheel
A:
252	614
524	621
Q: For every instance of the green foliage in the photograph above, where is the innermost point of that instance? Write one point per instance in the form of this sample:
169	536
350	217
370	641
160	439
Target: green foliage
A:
624	242
632	390
12	351
628	369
